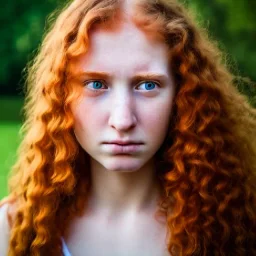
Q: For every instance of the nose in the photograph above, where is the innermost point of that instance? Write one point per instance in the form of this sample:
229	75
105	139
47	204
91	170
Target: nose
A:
122	114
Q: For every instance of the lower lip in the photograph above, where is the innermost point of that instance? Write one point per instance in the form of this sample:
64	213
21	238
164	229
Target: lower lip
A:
123	149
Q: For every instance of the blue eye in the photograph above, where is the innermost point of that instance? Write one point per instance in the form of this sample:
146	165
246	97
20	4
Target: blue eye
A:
149	85
97	85
94	85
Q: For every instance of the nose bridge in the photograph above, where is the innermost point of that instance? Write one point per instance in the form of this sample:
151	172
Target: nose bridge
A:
122	110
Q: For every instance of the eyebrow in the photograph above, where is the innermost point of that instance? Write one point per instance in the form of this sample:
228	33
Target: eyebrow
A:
161	78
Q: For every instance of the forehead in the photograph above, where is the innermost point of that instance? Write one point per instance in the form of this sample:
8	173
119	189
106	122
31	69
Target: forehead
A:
123	48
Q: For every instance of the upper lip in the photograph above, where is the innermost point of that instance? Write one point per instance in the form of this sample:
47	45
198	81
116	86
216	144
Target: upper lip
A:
123	142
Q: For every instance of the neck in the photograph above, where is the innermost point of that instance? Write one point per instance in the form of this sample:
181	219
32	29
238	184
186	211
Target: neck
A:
116	193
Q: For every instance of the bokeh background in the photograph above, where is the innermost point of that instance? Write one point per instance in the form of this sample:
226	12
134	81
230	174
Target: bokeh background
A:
231	24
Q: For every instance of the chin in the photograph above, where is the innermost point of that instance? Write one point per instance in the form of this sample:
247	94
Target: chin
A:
121	165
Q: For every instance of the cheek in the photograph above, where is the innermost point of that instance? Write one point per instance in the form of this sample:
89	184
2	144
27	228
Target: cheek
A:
81	116
82	130
157	120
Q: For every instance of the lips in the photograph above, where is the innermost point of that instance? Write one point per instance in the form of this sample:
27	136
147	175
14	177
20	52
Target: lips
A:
118	142
113	148
124	144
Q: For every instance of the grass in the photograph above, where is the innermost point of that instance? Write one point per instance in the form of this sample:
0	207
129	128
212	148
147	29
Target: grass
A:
10	122
9	141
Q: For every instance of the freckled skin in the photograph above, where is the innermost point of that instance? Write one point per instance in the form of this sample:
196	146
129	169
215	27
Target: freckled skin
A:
121	110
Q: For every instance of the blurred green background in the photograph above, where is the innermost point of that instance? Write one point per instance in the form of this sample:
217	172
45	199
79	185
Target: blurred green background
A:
231	23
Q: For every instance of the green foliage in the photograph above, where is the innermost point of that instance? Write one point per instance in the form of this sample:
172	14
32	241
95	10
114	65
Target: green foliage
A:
24	23
11	109
232	23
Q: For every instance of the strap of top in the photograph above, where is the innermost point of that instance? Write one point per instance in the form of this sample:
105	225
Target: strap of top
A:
65	249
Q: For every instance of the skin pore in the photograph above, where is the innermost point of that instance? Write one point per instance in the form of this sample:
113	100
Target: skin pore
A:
127	94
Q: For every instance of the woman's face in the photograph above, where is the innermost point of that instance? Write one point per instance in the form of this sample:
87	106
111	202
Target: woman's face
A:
127	95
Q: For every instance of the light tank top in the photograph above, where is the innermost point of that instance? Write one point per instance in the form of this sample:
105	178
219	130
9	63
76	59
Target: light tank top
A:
65	249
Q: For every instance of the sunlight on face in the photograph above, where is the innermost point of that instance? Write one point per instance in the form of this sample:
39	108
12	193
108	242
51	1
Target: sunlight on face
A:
127	95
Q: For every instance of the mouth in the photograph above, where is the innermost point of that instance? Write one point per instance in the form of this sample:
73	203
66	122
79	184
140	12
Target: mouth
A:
124	143
123	148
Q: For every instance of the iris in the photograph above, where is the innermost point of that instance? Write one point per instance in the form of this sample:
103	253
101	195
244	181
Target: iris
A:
97	84
150	85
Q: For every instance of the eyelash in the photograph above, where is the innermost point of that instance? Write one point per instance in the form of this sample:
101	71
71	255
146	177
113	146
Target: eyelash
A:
103	82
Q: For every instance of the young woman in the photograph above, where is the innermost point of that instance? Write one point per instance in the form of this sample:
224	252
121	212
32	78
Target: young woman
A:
136	142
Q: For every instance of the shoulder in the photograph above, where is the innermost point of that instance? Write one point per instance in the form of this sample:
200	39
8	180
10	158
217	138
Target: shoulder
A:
6	206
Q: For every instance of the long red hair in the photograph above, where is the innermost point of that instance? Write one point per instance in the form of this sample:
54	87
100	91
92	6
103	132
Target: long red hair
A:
206	164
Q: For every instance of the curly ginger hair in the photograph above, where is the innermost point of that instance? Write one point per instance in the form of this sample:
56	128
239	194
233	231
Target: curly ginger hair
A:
206	164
